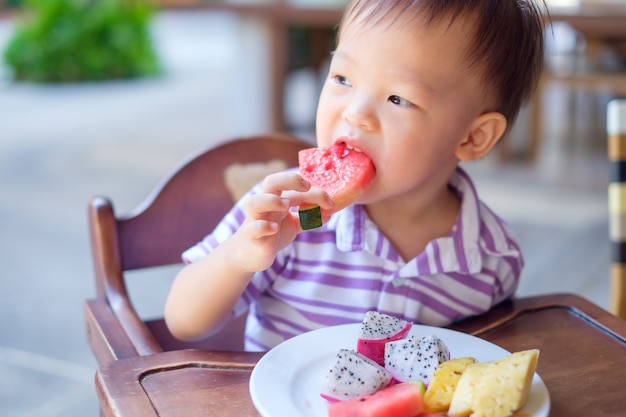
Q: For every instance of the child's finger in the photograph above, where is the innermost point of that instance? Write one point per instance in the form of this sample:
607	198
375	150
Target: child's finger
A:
279	182
259	229
314	195
260	204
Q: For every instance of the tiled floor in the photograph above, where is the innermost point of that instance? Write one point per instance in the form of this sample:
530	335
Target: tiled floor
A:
59	145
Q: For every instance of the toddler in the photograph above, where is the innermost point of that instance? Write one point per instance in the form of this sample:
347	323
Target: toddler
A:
418	86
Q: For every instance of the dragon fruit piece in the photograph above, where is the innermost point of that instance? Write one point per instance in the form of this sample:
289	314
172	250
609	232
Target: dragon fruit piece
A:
376	330
415	359
353	375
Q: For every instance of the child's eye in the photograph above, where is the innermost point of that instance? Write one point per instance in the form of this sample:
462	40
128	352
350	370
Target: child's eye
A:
399	101
341	80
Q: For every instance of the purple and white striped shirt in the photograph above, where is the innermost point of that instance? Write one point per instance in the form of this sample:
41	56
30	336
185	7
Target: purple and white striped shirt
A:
336	273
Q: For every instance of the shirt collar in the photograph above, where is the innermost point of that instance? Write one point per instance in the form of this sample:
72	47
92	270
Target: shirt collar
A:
457	252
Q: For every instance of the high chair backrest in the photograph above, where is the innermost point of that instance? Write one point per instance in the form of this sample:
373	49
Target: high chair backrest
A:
616	129
184	207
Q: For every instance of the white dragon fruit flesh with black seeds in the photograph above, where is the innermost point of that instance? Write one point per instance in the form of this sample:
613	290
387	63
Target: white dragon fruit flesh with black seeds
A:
415	359
377	329
353	375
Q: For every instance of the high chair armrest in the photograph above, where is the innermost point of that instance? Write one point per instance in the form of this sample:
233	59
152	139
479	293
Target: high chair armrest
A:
105	334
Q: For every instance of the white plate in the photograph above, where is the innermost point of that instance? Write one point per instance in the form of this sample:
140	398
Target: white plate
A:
286	382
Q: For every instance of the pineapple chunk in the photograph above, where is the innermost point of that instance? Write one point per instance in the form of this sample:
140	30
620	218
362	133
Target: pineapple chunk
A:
439	392
497	388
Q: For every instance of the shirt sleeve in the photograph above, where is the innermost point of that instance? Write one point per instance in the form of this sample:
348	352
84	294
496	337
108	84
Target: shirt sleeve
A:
231	222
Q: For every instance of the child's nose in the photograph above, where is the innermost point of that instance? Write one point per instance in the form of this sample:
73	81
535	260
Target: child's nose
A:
361	113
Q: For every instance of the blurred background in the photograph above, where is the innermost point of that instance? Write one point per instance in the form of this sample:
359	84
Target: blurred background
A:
103	99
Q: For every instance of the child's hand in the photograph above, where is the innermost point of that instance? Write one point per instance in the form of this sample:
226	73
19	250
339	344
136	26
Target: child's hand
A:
270	225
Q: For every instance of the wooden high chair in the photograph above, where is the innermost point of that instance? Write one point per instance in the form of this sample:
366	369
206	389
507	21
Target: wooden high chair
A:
616	129
184	207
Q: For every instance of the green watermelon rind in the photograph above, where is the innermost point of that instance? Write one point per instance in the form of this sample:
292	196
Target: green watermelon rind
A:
310	218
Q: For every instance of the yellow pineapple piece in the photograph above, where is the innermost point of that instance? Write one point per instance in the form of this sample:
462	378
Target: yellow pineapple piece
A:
439	392
497	388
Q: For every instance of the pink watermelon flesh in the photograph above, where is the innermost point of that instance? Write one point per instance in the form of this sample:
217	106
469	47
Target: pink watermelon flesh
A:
400	400
376	330
343	173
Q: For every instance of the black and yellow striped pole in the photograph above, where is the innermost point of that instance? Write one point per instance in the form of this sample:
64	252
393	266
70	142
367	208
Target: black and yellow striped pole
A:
616	129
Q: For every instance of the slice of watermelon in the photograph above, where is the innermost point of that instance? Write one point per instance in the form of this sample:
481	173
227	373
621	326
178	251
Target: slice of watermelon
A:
400	400
342	172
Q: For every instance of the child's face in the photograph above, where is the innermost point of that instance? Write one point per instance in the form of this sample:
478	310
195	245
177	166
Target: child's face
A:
401	94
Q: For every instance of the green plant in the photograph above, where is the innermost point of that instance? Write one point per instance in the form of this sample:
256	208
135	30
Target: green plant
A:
9	3
82	40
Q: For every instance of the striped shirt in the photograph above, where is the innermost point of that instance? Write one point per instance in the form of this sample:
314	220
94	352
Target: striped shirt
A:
336	273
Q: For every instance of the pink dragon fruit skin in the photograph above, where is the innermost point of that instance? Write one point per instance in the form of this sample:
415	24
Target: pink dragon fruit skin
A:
377	329
415	359
353	375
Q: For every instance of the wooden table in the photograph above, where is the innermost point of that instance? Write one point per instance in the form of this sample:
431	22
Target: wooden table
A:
582	362
280	18
606	21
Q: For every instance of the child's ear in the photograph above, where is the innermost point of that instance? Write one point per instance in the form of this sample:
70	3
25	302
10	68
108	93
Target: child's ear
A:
485	132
